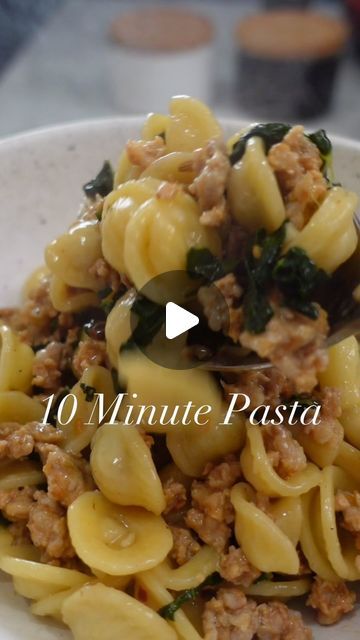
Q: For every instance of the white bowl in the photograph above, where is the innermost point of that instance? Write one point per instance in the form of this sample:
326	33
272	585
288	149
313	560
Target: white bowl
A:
41	175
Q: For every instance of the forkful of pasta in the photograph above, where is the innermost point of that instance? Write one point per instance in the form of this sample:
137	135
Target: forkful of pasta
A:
340	298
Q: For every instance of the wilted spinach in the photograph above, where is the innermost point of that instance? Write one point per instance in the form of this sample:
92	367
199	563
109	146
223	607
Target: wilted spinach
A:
151	317
168	612
102	184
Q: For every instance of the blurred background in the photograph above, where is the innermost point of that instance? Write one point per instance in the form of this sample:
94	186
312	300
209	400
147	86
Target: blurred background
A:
63	60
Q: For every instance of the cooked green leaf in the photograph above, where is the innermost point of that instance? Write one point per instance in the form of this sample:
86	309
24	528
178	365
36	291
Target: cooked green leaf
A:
263	252
201	263
168	612
304	402
297	277
151	317
271	133
88	391
257	310
102	184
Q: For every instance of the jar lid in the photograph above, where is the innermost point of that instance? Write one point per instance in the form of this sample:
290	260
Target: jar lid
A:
161	29
290	34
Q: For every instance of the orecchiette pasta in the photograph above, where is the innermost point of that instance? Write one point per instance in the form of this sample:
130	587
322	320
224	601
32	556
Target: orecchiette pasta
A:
16	360
123	468
259	472
263	540
71	256
190	126
254	195
331	225
117	540
69	299
85	611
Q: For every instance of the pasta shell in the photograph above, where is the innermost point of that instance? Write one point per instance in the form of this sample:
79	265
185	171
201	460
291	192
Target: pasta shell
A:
124	470
96	611
117	540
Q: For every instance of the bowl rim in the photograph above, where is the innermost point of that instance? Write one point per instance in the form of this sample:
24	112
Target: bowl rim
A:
59	129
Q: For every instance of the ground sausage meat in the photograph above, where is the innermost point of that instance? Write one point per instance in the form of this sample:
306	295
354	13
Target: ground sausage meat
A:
67	476
15	505
89	352
18	441
213	167
221	311
33	321
284	452
329	430
347	505
212	511
230	616
48	366
269	387
175	496
235	568
277	622
185	546
142	153
105	275
48	528
331	600
295	345
297	164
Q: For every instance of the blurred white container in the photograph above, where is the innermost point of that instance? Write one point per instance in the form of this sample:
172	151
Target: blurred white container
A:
159	53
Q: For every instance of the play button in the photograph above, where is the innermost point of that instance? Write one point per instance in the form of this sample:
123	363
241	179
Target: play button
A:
178	320
168	321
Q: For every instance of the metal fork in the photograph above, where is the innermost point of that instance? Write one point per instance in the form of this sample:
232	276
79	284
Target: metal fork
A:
336	298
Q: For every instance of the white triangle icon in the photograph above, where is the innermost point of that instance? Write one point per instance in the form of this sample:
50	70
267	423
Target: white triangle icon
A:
178	320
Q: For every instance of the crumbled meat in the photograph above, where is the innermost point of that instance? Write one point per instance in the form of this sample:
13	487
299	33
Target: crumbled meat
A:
295	344
209	186
212	532
347	505
48	366
19	532
18	441
269	387
105	275
235	568
185	546
297	164
48	528
331	600
142	153
330	400
284	452
329	430
220	310
212	511
168	190
175	496
230	616
68	476
33	321
15	505
89	352
222	475
277	622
